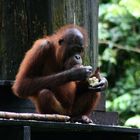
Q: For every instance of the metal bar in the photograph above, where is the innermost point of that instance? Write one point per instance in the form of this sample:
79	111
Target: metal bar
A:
138	137
27	133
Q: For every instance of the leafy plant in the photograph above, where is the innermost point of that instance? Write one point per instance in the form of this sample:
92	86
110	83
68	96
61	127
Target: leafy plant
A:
119	55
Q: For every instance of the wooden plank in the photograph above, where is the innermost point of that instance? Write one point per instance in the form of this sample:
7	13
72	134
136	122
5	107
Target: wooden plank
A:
71	127
105	118
33	116
21	129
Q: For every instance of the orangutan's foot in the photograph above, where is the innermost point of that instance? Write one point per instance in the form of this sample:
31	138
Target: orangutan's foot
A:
82	119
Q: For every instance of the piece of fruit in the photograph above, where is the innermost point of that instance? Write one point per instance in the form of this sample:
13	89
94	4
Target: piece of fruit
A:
93	81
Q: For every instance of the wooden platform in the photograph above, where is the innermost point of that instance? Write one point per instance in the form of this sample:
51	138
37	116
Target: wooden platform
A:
40	130
105	128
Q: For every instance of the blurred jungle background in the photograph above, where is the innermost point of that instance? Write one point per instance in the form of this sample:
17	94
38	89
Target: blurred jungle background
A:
119	57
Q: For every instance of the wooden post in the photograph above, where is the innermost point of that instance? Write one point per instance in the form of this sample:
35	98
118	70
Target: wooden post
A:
21	23
83	13
13	36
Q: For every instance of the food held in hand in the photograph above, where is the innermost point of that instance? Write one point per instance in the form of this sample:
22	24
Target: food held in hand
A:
93	81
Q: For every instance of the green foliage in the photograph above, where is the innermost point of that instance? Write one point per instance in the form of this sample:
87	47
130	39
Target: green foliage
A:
109	56
133	6
119	55
133	121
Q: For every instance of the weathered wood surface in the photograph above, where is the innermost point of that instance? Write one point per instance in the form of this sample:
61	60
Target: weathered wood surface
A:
33	116
83	13
40	130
